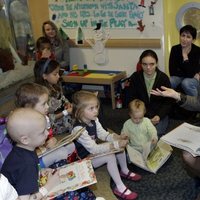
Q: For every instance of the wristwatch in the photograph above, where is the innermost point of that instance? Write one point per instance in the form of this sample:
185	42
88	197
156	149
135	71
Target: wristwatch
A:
182	99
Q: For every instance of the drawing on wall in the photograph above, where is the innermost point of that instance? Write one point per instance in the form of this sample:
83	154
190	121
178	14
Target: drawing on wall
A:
142	4
100	39
135	18
140	26
79	36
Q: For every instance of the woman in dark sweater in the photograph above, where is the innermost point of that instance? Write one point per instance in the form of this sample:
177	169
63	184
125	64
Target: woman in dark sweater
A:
142	82
184	62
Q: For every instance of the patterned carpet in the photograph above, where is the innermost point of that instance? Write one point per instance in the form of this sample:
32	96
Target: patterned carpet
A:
171	182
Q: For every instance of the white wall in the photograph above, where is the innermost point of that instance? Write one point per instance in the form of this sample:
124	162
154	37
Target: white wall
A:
119	59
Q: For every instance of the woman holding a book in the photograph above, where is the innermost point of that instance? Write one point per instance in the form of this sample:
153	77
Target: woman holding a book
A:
191	103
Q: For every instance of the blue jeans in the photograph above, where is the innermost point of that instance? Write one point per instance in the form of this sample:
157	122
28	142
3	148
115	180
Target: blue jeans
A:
162	126
189	85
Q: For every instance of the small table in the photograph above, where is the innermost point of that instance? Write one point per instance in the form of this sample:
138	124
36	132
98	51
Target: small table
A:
96	77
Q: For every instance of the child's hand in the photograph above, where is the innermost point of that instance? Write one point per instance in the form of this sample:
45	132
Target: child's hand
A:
51	142
46	53
154	141
124	136
122	143
53	179
69	107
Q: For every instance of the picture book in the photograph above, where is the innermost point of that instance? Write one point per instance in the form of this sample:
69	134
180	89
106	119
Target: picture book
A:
73	176
61	142
91	156
185	137
151	159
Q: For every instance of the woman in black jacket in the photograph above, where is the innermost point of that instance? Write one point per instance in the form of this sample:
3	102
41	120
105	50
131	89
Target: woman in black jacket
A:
142	82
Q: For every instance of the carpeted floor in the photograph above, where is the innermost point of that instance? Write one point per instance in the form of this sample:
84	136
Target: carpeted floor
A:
171	181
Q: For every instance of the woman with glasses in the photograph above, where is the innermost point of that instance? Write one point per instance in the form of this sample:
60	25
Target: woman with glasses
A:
141	84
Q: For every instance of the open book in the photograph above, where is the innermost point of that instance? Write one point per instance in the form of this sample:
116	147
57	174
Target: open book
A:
73	177
113	151
64	141
151	159
186	137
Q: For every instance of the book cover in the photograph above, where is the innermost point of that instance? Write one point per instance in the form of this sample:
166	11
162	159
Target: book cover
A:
185	137
73	177
64	141
151	159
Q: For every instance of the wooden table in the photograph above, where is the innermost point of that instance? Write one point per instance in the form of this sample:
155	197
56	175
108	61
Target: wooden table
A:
96	77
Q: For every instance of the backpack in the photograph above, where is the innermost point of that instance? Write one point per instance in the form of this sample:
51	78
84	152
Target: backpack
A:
5	144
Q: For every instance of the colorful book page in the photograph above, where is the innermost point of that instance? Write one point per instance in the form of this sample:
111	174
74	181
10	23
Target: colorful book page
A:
73	177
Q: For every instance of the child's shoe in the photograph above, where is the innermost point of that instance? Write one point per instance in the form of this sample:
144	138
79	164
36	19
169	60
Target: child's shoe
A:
122	195
135	177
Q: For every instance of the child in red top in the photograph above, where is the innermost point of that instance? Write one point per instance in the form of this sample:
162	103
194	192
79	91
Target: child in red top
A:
44	49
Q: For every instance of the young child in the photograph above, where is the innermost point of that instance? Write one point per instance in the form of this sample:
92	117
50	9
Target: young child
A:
139	129
33	95
7	191
85	110
44	49
46	73
27	127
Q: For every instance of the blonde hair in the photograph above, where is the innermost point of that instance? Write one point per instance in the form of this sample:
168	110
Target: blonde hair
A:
81	100
136	105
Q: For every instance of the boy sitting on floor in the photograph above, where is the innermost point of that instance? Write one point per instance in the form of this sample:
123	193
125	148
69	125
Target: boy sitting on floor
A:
28	128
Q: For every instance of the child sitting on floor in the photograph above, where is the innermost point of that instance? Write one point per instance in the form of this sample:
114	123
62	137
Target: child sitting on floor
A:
46	73
27	127
36	96
44	49
139	129
86	107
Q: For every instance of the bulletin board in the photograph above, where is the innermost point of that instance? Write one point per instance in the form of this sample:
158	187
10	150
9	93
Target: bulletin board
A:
126	20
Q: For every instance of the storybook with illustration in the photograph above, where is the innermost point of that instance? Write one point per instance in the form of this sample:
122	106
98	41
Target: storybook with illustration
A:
185	137
152	158
73	176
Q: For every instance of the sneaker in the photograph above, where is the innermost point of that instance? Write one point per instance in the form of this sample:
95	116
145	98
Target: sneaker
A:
135	177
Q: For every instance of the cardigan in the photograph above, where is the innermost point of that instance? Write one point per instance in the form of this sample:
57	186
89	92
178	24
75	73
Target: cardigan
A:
185	69
155	105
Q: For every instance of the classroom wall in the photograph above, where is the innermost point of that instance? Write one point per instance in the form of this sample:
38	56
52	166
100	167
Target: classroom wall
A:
119	58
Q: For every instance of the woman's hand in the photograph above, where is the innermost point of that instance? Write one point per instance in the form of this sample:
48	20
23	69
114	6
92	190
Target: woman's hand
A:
155	120
46	53
166	92
197	76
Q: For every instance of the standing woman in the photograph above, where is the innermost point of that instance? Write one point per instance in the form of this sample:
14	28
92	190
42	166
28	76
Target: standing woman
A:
59	44
142	82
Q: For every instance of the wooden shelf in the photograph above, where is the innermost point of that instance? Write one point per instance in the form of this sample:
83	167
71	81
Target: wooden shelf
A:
124	43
